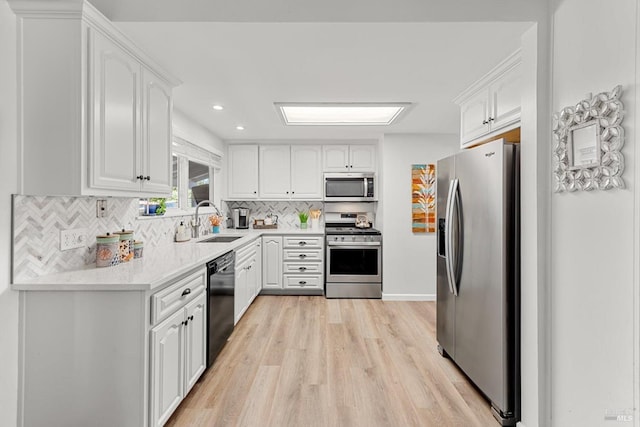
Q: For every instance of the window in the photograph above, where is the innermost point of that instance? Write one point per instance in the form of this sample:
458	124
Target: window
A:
198	187
194	172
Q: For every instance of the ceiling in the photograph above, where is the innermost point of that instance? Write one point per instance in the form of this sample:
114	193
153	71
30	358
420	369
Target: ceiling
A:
248	54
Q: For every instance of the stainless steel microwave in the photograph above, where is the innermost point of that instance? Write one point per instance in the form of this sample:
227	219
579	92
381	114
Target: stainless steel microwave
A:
349	187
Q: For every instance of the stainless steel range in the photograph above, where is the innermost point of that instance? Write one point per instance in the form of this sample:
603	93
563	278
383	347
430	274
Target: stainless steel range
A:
354	259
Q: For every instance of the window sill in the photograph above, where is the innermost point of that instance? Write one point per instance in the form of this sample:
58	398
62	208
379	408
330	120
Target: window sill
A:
172	213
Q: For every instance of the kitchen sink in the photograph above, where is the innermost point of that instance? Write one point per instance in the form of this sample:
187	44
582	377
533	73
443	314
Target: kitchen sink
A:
220	239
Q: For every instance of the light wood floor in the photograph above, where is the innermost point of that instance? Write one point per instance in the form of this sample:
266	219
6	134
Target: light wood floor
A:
309	361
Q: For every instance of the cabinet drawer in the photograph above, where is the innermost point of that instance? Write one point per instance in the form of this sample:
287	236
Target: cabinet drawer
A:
300	281
302	267
302	255
303	242
170	299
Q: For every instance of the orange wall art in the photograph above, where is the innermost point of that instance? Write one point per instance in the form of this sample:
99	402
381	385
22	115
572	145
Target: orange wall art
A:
423	190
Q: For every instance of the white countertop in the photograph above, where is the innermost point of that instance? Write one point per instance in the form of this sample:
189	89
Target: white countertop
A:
156	267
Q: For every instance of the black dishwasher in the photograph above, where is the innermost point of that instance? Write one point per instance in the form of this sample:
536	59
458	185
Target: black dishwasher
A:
220	292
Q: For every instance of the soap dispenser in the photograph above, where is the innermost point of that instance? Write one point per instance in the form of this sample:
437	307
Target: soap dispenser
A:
182	233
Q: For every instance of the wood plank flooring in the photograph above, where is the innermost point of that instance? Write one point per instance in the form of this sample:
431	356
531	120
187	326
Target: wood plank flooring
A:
308	361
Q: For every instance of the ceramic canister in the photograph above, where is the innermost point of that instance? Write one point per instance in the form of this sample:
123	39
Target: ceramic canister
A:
137	249
126	245
107	250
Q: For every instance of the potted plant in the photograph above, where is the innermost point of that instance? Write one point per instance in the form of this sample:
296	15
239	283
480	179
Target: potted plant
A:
304	217
161	204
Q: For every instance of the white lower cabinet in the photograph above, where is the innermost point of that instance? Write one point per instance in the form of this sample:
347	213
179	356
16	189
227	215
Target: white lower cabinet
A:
272	262
178	357
292	263
248	277
124	357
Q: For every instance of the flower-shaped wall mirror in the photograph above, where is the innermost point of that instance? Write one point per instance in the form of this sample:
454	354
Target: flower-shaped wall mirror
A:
588	140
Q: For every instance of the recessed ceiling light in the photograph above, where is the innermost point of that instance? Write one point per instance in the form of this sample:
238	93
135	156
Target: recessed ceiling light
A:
341	114
239	127
218	107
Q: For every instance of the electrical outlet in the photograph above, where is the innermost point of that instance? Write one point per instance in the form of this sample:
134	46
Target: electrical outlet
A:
101	208
72	239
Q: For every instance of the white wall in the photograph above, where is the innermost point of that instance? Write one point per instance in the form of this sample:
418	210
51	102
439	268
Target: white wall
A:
594	235
8	185
409	260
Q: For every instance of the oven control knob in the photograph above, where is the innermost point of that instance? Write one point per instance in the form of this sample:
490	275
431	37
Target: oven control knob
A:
335	238
353	238
342	238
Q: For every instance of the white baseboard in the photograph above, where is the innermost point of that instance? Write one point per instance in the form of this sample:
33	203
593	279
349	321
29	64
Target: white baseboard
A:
408	297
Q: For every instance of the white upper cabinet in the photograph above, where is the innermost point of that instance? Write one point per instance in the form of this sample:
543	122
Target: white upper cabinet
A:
275	171
96	109
492	104
156	133
306	172
349	158
243	172
115	134
290	172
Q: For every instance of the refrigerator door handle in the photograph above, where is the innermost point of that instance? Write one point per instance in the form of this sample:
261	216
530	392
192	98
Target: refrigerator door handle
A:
455	263
448	241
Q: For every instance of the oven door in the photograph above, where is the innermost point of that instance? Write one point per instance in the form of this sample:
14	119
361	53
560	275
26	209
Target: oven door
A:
354	262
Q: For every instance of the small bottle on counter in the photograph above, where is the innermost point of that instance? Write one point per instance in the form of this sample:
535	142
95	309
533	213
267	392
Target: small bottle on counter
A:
107	250
138	246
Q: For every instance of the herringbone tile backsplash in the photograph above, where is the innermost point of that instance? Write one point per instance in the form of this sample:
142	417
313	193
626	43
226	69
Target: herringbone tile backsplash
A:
38	220
287	211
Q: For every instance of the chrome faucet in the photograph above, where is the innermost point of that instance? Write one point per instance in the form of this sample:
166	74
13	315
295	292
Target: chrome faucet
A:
195	223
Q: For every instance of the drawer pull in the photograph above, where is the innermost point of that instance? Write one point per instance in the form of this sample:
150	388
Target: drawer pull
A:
302	282
186	292
302	243
302	256
302	268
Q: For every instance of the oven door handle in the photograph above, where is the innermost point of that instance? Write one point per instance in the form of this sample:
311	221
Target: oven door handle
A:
354	245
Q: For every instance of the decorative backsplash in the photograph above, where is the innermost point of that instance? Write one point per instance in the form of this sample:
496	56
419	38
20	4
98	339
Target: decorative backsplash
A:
287	211
38	220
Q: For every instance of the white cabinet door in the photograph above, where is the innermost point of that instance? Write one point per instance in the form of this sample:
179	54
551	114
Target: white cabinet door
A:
474	115
275	167
335	158
243	172
252	281
195	355
272	262
156	134
167	373
505	98
240	297
306	172
115	131
258	266
362	158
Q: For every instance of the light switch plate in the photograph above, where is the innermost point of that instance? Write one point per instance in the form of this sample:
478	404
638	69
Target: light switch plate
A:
101	208
72	239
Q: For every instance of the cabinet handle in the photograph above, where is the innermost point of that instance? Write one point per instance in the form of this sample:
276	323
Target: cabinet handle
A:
491	119
302	282
293	192
148	178
186	322
255	192
287	192
140	177
302	243
351	166
190	318
186	292
302	256
302	268
484	122
346	166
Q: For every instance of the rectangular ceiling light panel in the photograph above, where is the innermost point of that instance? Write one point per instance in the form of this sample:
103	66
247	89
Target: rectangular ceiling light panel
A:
337	114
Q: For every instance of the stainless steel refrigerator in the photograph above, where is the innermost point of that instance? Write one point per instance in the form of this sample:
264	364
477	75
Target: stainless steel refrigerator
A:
478	285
